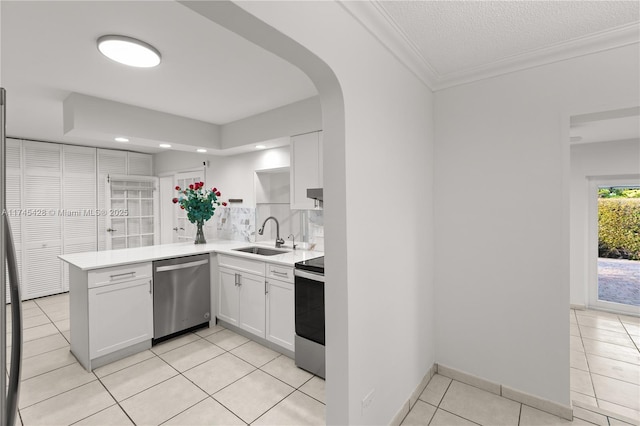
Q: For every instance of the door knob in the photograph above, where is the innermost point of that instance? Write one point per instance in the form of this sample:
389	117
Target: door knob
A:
111	230
175	229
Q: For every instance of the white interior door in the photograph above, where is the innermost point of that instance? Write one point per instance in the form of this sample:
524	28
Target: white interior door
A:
167	193
183	230
132	211
110	162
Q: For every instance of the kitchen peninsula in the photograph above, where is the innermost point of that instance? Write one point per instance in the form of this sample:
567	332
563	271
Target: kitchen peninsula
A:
111	296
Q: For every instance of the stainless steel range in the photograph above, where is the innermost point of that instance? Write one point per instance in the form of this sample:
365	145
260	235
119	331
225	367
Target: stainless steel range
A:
309	316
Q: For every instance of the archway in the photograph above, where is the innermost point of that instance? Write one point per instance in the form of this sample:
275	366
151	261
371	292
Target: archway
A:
236	19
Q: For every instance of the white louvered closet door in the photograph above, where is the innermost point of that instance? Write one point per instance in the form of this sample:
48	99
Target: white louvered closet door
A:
80	220
109	163
42	225
14	201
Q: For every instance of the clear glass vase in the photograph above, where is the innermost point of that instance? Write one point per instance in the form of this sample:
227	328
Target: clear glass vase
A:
200	234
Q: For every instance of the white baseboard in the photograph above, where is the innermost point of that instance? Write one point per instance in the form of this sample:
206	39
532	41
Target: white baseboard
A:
578	307
560	410
469	379
564	411
413	398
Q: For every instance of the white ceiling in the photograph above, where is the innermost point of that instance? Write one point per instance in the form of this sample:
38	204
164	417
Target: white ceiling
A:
207	72
212	75
447	43
606	126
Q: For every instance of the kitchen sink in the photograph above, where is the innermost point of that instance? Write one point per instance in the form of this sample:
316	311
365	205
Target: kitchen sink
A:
261	251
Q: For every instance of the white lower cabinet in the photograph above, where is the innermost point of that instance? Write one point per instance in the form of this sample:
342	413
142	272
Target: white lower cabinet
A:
120	315
252	308
111	312
257	297
280	313
228	300
241	301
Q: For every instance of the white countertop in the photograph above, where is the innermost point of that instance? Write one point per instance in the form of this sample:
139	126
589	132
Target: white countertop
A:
104	259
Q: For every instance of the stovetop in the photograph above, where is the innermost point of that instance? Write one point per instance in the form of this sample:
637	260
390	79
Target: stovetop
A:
312	265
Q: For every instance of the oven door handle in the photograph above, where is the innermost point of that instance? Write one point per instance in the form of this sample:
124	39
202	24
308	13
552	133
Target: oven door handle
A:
309	275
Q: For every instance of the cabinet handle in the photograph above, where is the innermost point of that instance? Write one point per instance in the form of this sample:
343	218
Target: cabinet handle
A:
120	276
266	287
150	287
282	274
237	279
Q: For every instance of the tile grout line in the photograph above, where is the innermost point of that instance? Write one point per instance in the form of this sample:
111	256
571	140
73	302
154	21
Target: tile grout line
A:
520	414
274	405
116	403
591	373
195	384
629	334
593	387
58	394
179	373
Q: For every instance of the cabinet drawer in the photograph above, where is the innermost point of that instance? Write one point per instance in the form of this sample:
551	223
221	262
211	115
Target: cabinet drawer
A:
241	264
278	272
117	274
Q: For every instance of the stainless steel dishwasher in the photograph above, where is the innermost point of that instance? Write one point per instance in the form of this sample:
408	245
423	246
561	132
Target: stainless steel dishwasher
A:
181	295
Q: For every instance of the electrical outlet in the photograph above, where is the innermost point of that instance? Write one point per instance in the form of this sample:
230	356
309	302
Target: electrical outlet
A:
366	401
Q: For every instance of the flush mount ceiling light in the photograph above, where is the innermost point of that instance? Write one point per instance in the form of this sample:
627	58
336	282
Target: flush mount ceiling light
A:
260	147
121	139
201	150
165	145
129	51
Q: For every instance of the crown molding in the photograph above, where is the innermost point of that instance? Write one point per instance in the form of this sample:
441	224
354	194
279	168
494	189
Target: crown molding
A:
592	43
374	18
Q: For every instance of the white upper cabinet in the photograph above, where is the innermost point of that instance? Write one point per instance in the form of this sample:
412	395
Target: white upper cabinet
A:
306	169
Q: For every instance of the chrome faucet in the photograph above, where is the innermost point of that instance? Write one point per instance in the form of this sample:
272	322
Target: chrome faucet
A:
279	241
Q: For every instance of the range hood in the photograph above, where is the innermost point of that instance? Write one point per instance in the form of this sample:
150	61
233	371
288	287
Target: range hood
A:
315	193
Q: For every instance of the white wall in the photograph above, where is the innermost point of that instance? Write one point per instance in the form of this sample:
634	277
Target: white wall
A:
378	165
502	216
233	175
380	327
592	160
293	119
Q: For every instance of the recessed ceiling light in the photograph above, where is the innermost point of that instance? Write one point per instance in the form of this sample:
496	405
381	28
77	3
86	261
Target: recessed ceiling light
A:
121	139
129	51
260	147
165	145
201	150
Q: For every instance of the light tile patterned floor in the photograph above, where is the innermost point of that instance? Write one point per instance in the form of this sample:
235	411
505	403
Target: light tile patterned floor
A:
215	376
605	361
605	378
209	377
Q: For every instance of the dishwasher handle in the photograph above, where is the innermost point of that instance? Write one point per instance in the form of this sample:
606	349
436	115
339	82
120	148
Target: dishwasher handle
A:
182	265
